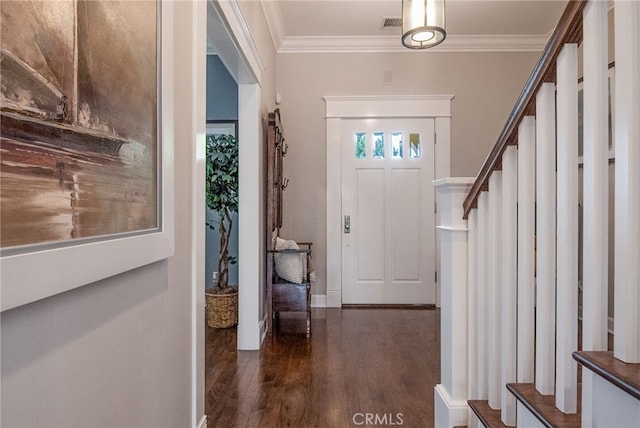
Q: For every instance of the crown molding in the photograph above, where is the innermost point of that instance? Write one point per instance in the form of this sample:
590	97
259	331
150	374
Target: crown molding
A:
334	44
509	43
275	22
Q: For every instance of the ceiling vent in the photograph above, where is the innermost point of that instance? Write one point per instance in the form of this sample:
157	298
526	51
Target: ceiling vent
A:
391	23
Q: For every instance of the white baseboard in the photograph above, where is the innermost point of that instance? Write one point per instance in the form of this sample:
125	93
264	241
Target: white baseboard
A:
203	422
448	412
318	300
334	298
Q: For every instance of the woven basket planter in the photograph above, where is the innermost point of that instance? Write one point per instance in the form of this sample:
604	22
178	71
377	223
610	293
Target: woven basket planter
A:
222	309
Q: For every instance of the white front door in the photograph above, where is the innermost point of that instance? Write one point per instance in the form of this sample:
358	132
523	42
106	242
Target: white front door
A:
388	245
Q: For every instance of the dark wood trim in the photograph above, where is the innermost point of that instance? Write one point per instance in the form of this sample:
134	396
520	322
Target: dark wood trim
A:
282	296
270	207
623	375
568	30
490	418
544	407
422	307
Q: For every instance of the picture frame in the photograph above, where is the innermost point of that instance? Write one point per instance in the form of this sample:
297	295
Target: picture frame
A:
45	271
222	127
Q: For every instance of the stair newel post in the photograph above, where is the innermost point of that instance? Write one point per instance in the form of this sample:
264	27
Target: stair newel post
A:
451	394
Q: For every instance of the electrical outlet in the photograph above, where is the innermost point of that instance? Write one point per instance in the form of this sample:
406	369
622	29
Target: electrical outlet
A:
215	276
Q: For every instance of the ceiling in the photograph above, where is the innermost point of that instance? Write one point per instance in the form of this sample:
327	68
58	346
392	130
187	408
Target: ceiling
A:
356	25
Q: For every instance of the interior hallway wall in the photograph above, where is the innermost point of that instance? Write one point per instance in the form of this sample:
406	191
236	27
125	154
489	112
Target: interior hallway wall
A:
485	86
118	352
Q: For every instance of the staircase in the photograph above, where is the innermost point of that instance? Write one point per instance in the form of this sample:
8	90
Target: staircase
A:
511	245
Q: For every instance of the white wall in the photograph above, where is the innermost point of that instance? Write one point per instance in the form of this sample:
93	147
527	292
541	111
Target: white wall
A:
485	85
118	352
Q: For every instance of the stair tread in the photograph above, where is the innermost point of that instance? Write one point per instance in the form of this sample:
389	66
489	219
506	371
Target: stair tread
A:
544	407
490	418
623	375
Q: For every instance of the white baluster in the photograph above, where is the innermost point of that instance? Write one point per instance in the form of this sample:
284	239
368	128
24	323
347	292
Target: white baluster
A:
526	247
595	230
627	205
509	281
596	179
472	302
482	312
546	238
495	291
567	258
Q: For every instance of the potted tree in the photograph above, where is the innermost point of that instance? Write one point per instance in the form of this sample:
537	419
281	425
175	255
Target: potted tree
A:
222	197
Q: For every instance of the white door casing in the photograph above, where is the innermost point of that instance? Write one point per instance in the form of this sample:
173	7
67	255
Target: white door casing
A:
388	250
339	108
227	29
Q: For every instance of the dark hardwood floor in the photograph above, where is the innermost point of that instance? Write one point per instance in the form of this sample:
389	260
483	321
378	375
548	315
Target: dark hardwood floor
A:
381	362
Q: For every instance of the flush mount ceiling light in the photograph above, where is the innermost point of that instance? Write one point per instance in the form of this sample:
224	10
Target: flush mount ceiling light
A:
422	23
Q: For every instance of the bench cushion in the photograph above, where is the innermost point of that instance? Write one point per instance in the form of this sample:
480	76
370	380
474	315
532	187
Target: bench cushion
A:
288	266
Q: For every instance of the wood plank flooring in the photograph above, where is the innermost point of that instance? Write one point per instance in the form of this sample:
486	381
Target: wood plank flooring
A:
382	362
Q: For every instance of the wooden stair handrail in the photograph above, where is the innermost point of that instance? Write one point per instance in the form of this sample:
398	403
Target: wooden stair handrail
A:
568	30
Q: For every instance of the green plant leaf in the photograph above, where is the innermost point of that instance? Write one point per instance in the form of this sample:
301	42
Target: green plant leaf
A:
222	191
